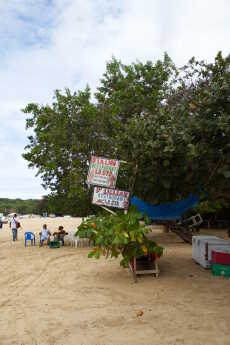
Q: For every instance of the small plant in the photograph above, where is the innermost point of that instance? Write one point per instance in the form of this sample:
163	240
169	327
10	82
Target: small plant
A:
120	234
85	229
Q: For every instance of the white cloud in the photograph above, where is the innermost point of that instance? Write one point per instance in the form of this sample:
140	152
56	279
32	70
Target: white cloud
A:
47	45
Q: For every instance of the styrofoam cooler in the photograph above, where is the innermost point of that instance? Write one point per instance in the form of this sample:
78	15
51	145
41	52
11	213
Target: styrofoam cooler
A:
202	247
196	244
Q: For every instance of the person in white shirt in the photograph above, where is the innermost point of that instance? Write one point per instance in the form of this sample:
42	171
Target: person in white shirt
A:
44	235
14	226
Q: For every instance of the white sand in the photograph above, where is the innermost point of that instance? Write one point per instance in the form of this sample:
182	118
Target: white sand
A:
59	296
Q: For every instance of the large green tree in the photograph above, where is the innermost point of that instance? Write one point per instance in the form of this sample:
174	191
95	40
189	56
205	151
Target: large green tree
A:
64	135
182	145
67	133
172	124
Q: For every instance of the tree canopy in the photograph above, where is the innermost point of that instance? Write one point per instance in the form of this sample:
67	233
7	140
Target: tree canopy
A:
173	124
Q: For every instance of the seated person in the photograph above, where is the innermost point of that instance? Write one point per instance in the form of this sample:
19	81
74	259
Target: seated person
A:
44	235
60	234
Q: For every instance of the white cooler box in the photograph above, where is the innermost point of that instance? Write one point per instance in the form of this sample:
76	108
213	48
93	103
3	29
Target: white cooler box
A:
196	244
202	247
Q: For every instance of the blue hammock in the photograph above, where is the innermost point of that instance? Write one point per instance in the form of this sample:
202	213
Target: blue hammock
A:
169	211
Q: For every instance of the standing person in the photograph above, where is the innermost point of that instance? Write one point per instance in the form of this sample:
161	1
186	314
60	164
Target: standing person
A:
14	224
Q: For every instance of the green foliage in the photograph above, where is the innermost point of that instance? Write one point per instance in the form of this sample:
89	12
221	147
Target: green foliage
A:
85	229
65	136
173	124
184	144
130	90
208	207
78	206
120	234
20	206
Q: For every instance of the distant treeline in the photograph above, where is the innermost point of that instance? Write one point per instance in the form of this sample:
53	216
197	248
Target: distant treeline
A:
20	206
48	204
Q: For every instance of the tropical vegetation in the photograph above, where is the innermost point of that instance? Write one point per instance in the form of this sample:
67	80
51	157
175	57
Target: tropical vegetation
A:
119	234
171	124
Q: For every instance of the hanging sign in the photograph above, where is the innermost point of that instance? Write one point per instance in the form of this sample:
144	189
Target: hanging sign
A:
110	197
103	172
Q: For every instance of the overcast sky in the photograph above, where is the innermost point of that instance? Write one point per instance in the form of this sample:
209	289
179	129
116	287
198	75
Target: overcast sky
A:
47	45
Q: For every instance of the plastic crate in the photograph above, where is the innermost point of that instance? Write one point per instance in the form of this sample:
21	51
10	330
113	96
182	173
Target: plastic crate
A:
54	244
221	270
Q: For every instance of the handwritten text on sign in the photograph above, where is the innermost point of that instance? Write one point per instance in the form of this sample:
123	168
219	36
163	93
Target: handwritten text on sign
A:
110	197
103	172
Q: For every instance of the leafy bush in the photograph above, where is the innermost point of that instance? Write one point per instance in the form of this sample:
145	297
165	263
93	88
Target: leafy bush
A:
120	234
85	229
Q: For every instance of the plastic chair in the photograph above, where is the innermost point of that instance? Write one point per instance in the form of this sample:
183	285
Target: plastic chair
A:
71	238
77	241
29	236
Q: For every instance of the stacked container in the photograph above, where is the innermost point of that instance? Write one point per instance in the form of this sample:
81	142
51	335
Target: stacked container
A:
221	262
221	256
202	247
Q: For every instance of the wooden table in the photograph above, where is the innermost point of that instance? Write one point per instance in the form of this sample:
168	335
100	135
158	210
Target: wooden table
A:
145	266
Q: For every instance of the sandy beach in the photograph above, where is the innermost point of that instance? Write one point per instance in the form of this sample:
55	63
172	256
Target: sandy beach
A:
59	296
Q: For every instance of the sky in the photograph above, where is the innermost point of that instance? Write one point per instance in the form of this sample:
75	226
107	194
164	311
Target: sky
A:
47	45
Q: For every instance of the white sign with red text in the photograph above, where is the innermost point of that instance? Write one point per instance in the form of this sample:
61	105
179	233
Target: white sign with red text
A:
103	172
110	197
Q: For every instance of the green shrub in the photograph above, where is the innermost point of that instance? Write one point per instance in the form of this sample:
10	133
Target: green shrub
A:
120	234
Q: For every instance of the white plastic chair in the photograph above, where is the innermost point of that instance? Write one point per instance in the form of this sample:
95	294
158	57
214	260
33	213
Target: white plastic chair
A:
77	241
71	238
